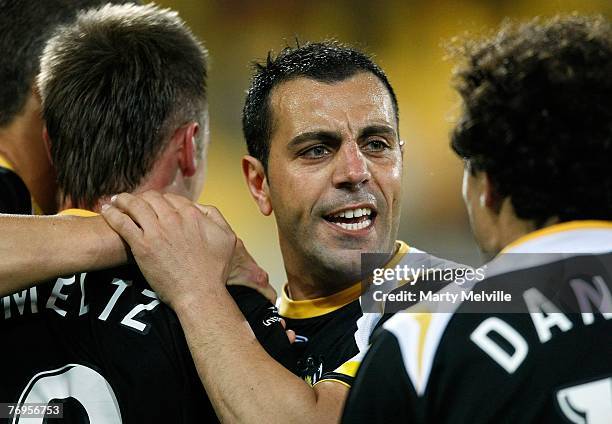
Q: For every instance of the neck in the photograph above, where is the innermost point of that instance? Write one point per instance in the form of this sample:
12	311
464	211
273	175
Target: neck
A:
97	207
313	281
303	288
149	183
511	228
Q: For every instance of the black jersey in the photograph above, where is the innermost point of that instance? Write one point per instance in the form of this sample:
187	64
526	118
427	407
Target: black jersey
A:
14	195
104	346
333	331
547	358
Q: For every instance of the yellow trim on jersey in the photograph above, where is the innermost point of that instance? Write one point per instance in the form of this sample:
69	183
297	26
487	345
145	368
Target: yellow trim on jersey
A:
310	308
402	249
423	319
348	368
558	228
4	163
334	380
77	212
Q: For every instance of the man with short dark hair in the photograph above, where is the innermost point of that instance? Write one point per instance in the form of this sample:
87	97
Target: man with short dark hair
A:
321	120
124	100
25	169
536	137
87	106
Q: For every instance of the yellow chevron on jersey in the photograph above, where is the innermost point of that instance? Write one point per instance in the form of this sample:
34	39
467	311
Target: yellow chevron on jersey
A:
349	368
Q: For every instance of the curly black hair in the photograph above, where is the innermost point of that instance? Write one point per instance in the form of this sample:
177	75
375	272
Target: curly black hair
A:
537	115
327	61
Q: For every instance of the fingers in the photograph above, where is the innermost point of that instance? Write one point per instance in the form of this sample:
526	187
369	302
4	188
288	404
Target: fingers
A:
122	224
246	272
154	211
177	201
268	292
290	333
136	208
164	209
257	274
291	336
187	208
214	215
142	206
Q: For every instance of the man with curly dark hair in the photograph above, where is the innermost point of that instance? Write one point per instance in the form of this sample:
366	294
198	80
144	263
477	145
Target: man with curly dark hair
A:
536	137
538	119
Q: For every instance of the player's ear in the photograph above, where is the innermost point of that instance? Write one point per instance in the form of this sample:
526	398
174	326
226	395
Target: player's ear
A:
184	140
47	142
257	182
489	196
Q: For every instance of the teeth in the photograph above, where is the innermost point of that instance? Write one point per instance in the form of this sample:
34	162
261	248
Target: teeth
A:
354	227
353	213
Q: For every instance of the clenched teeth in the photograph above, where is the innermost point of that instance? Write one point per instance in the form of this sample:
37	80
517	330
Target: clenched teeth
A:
354	227
353	213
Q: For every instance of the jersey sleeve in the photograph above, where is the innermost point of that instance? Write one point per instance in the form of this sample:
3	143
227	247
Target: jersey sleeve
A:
382	391
345	373
265	322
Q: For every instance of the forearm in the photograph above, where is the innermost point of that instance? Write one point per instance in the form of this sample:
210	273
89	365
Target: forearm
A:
243	382
36	248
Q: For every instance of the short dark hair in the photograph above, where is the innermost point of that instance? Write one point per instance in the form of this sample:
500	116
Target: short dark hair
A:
327	61
537	115
115	86
26	25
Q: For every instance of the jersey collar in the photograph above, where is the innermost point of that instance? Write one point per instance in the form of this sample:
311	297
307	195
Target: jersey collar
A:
310	308
77	212
551	244
566	237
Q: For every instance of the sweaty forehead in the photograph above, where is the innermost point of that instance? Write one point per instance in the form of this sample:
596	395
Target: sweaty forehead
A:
303	104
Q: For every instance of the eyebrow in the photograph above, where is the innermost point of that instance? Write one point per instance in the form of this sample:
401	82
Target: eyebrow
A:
377	130
336	137
324	136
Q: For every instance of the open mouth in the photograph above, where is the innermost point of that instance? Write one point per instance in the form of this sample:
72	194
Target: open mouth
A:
352	219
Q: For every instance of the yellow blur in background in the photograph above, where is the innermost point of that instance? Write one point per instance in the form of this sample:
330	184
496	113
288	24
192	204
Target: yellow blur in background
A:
406	38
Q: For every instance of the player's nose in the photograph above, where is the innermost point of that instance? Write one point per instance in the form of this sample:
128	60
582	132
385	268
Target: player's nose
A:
351	167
